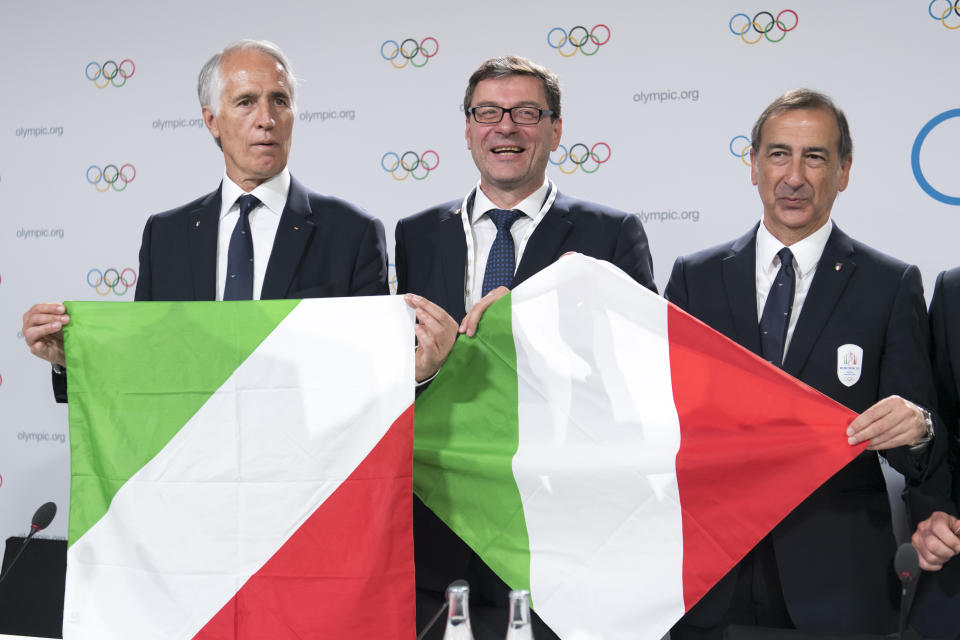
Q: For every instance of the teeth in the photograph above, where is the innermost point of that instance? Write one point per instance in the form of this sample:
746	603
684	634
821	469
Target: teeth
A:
507	150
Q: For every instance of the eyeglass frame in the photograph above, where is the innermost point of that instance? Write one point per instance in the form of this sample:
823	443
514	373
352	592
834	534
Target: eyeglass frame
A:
503	110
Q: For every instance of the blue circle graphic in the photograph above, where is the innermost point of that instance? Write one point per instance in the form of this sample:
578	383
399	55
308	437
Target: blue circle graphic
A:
915	158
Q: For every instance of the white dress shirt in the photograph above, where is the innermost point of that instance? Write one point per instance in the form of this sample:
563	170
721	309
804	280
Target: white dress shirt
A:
264	221
484	231
806	255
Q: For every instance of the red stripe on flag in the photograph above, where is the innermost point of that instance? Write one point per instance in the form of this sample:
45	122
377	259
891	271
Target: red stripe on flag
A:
347	572
754	443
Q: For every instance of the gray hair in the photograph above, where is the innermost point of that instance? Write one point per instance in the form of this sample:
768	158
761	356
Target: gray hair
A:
210	82
515	66
805	99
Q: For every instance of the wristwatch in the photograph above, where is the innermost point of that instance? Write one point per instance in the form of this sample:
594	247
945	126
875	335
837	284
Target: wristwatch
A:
928	422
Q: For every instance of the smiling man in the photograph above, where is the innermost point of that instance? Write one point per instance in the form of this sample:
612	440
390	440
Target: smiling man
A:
850	322
464	254
261	234
458	257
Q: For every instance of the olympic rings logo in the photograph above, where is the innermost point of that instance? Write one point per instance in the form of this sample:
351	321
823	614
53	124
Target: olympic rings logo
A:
110	72
763	25
952	11
744	152
111	280
409	51
915	158
578	39
111	176
410	163
579	156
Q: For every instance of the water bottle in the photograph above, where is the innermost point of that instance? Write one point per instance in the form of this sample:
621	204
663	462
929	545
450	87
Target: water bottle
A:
518	625
458	612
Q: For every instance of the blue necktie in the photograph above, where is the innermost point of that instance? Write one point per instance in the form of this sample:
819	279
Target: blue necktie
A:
239	284
501	260
776	312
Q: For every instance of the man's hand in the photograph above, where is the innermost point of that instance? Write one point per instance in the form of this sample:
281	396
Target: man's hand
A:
42	330
472	319
436	332
892	422
936	540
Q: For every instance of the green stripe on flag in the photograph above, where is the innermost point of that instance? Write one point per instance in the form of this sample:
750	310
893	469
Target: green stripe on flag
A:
137	373
465	437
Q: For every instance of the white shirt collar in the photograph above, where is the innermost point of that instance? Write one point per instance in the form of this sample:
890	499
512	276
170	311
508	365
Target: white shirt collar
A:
530	205
806	252
272	193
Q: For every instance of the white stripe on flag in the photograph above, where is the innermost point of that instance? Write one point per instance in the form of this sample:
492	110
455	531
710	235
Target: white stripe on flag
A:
283	432
597	541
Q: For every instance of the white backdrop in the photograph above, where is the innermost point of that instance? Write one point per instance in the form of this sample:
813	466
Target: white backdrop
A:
668	91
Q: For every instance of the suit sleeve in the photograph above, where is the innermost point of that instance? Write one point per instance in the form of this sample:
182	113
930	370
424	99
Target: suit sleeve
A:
400	258
943	373
676	291
905	371
944	377
632	253
144	278
370	268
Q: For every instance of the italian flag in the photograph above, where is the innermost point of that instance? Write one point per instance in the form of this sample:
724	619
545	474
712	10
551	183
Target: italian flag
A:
240	470
603	449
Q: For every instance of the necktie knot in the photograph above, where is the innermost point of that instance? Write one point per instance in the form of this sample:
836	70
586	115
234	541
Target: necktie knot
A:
503	218
786	258
247	203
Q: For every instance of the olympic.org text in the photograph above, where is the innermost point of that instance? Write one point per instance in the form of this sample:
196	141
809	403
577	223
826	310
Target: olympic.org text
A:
26	132
668	216
41	436
666	96
181	123
322	116
37	234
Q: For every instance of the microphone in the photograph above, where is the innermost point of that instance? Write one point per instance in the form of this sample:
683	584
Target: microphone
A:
907	565
436	616
42	518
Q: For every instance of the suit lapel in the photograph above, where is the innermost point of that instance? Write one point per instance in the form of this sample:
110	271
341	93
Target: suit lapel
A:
543	247
740	285
295	228
834	270
204	222
452	248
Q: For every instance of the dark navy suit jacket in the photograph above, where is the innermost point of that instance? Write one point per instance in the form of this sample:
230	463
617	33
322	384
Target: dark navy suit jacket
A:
835	550
431	255
324	247
936	613
431	250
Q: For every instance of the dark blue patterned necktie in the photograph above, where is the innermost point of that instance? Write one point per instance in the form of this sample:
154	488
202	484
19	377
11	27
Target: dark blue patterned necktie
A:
502	260
239	284
776	312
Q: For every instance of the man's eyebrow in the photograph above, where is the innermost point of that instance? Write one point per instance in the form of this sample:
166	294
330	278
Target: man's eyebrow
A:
821	150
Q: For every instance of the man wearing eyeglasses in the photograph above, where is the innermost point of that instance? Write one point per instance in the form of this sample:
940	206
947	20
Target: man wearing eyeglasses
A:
457	258
454	260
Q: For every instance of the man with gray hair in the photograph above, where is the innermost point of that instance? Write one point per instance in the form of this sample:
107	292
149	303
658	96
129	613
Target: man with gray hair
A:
850	322
261	234
465	254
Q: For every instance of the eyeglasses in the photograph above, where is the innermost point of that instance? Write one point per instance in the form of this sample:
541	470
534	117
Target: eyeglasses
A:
492	114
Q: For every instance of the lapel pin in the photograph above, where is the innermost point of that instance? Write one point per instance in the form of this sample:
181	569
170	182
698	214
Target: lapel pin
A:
837	266
198	224
296	228
457	212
